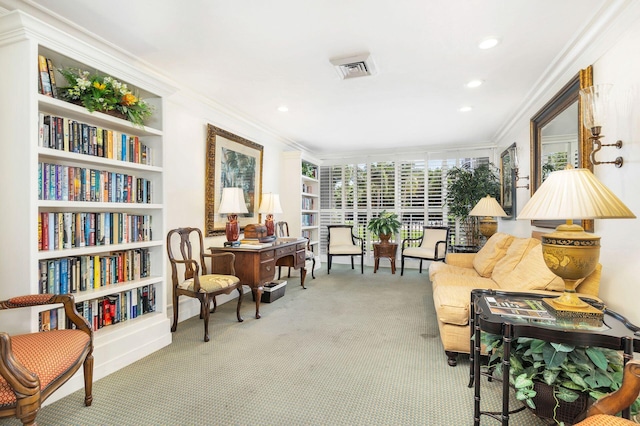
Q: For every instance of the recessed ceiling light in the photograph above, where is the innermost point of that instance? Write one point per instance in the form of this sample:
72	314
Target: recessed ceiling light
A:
474	83
283	108
488	43
465	109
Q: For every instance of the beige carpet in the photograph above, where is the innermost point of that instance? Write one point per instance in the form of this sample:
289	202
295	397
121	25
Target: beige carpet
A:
352	349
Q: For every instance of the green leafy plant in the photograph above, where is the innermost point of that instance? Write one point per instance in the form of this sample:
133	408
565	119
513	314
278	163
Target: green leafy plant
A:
466	185
104	93
569	370
386	223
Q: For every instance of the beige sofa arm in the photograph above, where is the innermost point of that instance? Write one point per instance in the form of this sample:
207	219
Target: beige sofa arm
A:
464	260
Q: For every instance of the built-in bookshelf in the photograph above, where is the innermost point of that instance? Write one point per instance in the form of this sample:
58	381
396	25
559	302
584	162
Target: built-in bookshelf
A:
300	197
83	198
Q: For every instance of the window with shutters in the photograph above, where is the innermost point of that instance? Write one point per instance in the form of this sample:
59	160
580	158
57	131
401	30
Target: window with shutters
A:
416	190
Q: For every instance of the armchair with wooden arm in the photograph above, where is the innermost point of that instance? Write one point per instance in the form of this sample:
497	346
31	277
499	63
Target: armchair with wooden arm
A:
29	373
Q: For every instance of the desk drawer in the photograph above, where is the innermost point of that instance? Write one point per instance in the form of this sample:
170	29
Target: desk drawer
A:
267	270
267	255
283	251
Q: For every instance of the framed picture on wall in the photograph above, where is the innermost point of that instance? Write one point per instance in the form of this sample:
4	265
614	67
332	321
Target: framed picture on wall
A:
507	182
231	161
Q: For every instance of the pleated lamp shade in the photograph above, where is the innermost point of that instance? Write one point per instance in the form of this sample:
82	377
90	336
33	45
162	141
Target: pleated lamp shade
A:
487	206
574	194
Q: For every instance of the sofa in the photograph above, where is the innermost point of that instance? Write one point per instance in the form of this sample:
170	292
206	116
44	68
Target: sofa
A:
504	263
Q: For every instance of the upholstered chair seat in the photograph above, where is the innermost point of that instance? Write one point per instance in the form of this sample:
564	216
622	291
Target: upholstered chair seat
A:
432	245
211	282
342	242
34	365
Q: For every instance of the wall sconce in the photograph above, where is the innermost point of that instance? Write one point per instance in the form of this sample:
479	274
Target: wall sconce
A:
596	100
516	169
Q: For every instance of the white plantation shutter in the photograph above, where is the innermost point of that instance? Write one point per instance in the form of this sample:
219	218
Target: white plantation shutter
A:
415	189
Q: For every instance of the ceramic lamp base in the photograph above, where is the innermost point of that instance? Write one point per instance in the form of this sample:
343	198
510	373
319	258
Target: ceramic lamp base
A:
232	229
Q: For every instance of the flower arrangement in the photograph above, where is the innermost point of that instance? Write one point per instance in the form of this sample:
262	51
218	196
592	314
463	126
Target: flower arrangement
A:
104	93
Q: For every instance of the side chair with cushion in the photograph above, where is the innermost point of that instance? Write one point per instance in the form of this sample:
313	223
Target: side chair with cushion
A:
433	244
34	365
342	242
282	230
603	411
190	275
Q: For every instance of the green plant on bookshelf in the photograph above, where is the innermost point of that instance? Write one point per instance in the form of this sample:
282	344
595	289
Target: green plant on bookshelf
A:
309	170
571	371
105	94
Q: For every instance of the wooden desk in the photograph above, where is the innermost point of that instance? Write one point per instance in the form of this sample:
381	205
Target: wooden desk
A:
256	267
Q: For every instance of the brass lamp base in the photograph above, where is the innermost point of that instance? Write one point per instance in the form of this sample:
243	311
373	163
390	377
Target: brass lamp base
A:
488	226
572	254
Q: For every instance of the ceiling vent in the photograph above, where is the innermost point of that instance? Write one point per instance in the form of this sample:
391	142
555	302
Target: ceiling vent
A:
354	66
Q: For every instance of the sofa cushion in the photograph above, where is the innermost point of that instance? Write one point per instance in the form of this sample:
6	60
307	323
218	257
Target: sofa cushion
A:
515	253
441	267
494	249
532	274
452	301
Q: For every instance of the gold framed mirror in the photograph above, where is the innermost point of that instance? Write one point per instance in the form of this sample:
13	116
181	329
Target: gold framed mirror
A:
558	137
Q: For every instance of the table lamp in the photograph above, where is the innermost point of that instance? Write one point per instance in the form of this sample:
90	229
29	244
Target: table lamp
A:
232	204
270	204
488	208
569	251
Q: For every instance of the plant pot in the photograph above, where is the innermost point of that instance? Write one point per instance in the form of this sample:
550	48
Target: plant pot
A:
384	238
567	412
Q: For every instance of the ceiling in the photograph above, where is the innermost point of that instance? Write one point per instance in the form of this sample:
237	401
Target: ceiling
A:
253	56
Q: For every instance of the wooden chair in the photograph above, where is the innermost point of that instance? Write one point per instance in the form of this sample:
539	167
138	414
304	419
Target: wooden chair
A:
34	365
602	412
282	230
194	279
342	242
433	244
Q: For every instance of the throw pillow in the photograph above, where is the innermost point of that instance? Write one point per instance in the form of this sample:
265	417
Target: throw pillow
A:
494	249
532	274
515	253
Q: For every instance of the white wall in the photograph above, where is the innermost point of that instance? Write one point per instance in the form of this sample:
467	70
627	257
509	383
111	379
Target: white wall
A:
615	61
186	119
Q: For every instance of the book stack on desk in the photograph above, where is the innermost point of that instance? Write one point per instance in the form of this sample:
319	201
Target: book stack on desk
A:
253	243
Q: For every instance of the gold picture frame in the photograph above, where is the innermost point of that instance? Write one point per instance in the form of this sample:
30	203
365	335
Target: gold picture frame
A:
231	161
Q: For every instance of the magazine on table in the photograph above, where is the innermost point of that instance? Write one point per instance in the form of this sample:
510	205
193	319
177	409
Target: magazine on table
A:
525	308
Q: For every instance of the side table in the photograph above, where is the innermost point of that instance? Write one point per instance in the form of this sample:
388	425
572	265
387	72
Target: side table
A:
387	250
464	249
616	333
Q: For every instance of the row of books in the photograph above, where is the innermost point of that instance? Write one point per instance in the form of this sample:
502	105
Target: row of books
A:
79	273
307	189
68	183
65	230
307	204
46	77
307	219
69	135
105	311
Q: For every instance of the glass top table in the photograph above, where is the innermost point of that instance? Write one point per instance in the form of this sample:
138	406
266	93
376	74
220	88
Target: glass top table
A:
615	332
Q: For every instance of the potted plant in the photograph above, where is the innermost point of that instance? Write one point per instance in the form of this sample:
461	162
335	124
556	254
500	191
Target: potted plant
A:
385	225
466	186
566	374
